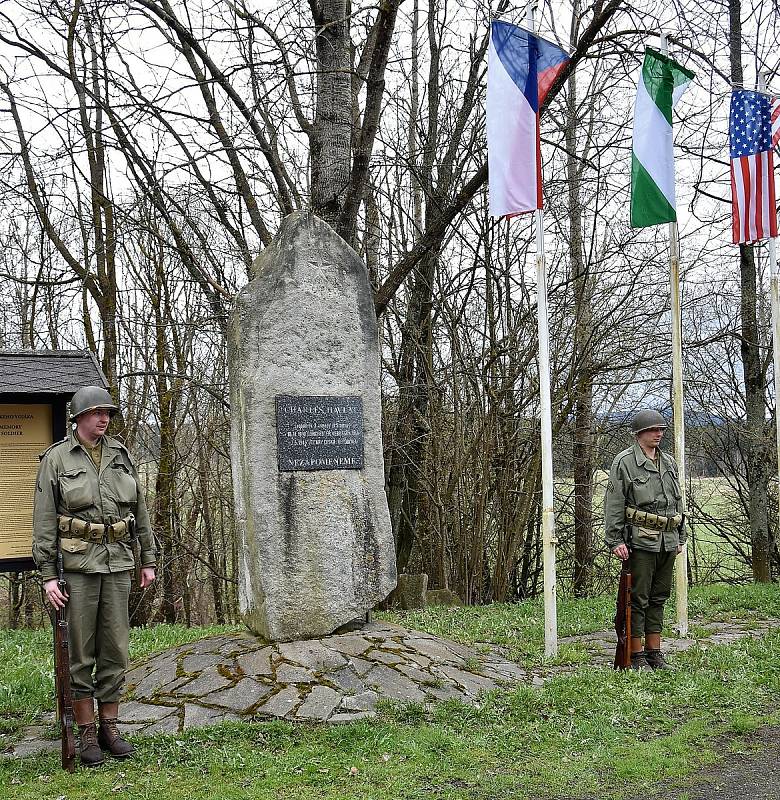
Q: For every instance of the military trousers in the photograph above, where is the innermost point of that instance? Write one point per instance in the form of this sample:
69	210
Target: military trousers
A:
99	633
651	585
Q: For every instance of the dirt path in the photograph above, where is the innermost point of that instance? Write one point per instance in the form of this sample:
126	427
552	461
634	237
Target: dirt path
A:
750	773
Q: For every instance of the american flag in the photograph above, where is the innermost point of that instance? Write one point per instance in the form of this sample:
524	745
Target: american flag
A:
752	133
775	121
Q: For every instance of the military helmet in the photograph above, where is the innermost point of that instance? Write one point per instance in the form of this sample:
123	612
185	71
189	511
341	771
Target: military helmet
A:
88	398
647	419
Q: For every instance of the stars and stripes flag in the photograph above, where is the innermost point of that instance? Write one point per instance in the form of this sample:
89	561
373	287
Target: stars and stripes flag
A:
753	130
775	114
521	69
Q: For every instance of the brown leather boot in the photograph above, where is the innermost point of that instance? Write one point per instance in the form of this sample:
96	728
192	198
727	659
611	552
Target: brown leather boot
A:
109	737
655	658
89	751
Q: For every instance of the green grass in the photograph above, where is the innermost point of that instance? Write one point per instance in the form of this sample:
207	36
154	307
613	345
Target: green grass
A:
27	673
590	733
519	627
595	732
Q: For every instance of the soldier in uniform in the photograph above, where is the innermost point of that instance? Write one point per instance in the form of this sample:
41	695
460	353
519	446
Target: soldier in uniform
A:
89	505
643	519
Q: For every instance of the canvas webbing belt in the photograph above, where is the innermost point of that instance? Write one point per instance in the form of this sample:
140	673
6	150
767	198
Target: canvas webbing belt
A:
656	522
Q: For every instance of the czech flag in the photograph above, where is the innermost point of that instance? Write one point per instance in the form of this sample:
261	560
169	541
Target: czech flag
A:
521	69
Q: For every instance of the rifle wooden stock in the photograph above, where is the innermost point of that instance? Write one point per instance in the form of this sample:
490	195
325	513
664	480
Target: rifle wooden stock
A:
623	620
62	678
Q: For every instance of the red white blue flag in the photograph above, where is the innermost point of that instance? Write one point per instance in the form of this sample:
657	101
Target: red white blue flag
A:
753	210
775	121
521	69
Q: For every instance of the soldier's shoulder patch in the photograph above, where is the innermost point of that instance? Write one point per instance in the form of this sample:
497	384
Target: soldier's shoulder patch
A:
51	447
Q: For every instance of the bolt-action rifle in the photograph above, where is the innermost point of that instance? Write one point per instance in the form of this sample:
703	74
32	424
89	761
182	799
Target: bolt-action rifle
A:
623	620
62	676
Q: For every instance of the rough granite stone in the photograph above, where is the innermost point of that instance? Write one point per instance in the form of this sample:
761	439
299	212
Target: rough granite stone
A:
208	681
241	697
238	645
164	675
411	590
133	711
471	683
131	728
257	662
210	644
445	693
137	673
196	663
348	644
393	685
281	704
312	655
436	650
175	685
291	673
343	719
33	747
384	630
506	670
347	680
169	724
316	547
196	716
415	673
365	701
319	703
442	597
383	657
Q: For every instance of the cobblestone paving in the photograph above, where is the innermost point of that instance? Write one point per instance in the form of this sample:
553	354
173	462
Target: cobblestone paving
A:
336	679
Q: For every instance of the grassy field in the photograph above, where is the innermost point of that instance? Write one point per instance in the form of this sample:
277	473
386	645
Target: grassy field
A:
594	732
714	557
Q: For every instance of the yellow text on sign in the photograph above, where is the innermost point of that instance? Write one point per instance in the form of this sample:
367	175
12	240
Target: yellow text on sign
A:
25	431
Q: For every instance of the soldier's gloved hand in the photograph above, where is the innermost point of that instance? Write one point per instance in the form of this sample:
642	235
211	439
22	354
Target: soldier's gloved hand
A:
57	598
147	576
621	551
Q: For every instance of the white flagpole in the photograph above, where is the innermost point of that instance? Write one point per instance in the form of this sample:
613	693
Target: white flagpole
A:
549	539
774	285
545	406
681	563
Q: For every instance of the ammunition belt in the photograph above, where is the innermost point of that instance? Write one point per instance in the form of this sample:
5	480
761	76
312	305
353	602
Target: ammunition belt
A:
656	522
96	532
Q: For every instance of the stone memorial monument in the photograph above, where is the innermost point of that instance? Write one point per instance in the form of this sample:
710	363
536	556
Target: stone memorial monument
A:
315	542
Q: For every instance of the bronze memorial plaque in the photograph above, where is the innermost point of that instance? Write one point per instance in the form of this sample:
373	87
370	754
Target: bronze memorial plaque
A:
25	431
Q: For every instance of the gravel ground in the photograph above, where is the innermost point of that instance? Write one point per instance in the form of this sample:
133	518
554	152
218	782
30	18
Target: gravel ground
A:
752	773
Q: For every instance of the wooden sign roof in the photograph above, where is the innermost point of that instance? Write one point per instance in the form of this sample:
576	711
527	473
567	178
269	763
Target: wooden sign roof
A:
48	371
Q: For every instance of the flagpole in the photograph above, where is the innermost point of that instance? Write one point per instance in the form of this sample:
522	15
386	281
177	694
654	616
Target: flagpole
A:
681	562
549	539
774	285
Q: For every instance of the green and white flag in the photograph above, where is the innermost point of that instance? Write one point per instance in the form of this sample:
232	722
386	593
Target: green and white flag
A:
661	85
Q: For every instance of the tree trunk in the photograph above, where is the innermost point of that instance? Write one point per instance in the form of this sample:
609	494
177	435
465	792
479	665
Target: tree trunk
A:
756	447
331	136
581	361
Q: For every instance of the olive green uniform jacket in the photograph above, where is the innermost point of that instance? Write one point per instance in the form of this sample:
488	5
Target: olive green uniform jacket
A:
69	484
634	480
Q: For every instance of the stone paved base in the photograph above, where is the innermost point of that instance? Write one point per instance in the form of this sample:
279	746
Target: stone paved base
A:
337	679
